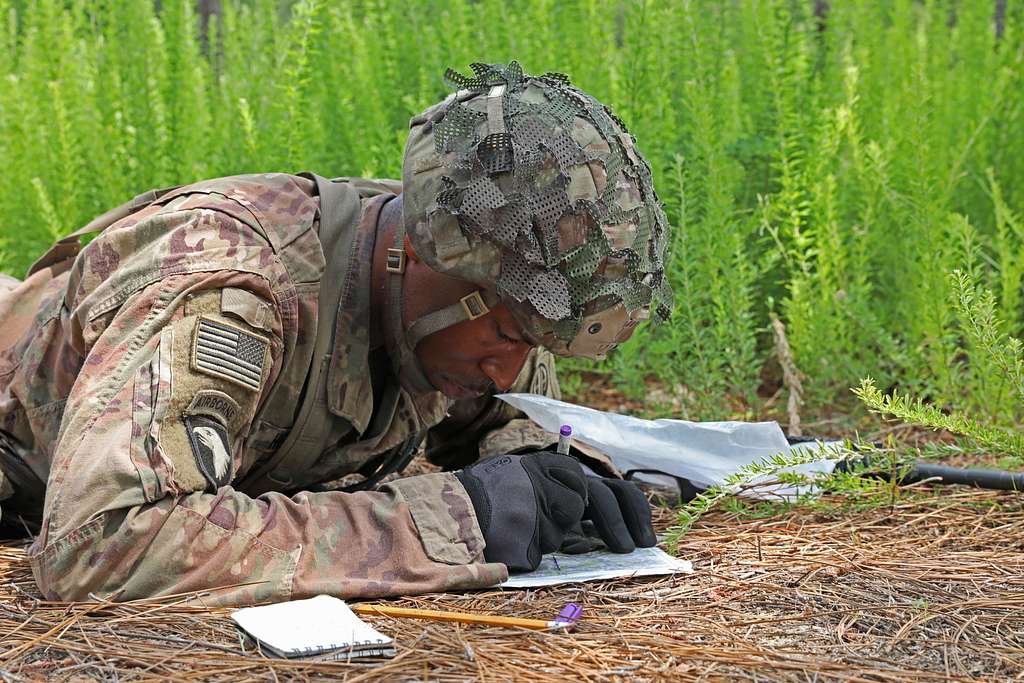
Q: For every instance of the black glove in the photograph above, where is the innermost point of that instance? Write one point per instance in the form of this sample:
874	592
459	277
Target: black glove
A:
617	515
525	504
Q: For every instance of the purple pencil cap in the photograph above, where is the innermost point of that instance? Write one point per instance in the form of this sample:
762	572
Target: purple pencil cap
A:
570	614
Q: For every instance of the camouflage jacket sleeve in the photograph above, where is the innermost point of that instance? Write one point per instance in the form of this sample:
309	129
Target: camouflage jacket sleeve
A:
139	504
488	426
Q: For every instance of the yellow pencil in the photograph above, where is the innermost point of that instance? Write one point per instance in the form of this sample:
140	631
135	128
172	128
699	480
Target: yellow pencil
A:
463	617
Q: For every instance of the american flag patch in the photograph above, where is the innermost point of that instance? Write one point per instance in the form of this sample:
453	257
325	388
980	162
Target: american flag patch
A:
229	352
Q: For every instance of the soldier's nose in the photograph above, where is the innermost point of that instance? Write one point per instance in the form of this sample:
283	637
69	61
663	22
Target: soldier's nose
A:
505	368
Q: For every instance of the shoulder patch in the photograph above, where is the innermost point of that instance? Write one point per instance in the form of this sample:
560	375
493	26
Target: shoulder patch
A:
211	448
217	405
228	352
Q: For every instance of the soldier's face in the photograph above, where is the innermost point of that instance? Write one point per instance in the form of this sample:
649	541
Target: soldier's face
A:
469	359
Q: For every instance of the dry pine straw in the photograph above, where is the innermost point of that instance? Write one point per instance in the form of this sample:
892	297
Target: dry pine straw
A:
932	589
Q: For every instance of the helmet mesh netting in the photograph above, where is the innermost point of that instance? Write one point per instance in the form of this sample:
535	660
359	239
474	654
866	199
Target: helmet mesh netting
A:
512	188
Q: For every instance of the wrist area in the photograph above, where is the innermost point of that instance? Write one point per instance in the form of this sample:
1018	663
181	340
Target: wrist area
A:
505	503
443	513
478	497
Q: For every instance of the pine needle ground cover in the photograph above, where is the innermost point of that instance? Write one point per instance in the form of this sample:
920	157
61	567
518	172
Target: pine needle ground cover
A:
846	188
929	590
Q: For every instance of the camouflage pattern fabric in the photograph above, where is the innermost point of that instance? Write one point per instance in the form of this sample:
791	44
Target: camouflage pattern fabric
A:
530	187
108	396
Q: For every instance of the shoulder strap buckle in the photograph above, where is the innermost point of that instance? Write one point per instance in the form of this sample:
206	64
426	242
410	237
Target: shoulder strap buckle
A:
474	306
396	261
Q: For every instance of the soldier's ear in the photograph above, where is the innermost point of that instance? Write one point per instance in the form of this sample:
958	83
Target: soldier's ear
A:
410	252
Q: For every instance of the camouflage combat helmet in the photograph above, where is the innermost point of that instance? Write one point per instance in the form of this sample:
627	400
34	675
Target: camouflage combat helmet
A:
532	189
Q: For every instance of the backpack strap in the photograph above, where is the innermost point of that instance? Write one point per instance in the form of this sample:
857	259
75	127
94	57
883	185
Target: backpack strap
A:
68	247
340	209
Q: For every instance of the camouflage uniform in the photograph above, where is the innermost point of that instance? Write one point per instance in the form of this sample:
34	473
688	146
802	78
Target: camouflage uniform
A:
155	385
104	396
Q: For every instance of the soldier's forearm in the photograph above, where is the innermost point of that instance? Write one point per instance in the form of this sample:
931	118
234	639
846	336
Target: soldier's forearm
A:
418	535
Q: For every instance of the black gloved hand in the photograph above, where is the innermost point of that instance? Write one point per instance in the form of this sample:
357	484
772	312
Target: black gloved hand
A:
617	515
525	504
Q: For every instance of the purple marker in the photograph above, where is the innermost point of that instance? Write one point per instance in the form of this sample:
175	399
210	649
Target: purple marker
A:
564	439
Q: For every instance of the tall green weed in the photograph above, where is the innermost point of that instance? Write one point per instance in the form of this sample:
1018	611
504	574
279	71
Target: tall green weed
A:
830	163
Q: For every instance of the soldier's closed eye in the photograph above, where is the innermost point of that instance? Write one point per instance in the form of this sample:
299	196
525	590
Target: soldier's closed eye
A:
502	336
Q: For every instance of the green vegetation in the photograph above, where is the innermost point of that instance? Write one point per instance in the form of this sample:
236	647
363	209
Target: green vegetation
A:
832	169
771	469
997	371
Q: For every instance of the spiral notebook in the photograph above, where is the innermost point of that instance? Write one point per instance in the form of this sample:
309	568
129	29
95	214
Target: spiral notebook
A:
318	628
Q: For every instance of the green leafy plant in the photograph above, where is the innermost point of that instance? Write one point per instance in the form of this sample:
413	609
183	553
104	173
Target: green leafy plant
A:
917	412
771	469
832	158
996	363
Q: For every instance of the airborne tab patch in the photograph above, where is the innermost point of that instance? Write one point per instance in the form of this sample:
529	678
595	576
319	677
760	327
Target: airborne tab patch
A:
217	405
230	353
211	448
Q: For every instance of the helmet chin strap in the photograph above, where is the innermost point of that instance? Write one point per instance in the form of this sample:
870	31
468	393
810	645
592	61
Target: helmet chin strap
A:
401	342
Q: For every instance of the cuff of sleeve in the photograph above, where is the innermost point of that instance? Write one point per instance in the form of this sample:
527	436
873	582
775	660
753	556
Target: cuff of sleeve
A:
444	517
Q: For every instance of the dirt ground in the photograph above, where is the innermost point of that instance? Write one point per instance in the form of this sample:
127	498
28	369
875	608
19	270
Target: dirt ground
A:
930	588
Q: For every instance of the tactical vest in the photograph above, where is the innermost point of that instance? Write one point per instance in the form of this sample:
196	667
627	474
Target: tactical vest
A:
298	436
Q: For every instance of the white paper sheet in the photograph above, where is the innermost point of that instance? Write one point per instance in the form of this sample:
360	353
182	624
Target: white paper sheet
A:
600	565
703	452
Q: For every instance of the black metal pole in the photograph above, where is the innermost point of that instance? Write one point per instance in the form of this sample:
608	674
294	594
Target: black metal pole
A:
998	480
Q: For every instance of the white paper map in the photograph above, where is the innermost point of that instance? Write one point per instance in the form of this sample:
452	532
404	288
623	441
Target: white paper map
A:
558	568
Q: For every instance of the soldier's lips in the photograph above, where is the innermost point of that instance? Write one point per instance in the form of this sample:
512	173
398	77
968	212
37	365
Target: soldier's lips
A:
453	389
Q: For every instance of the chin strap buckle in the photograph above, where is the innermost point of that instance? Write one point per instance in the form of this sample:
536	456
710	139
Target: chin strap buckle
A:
474	306
396	261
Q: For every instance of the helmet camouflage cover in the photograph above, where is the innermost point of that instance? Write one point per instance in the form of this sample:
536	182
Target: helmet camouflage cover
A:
531	187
